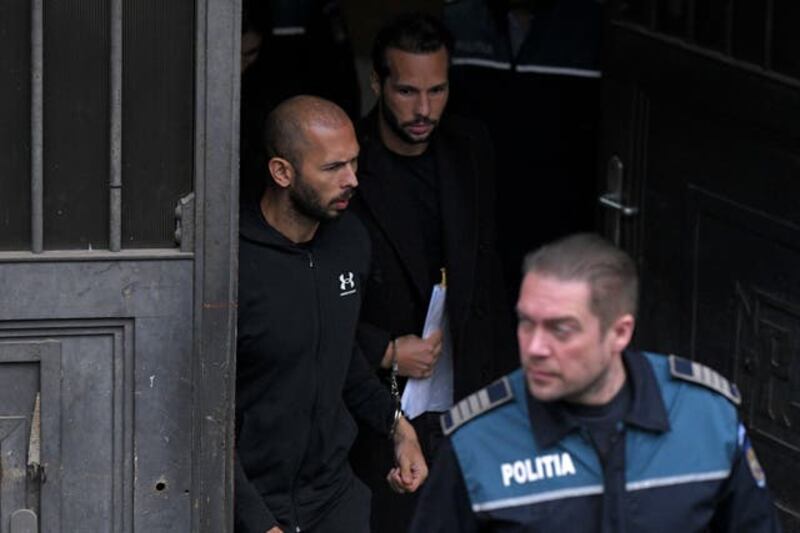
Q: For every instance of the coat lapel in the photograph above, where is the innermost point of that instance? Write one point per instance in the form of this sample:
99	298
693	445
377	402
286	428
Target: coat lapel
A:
458	182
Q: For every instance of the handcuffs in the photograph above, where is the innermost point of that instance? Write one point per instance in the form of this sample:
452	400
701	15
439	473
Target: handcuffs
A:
398	411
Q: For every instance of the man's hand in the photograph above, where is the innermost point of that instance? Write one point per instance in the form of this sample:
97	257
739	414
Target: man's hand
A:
416	357
411	469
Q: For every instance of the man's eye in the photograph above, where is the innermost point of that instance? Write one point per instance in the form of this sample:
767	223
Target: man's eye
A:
562	331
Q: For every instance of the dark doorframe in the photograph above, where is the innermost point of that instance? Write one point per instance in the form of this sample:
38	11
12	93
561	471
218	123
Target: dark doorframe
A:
216	240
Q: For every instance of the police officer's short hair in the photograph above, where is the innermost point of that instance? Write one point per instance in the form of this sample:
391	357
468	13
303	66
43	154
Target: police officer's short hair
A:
416	33
610	272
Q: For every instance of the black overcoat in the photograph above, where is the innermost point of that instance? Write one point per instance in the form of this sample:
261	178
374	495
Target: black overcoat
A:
399	289
399	286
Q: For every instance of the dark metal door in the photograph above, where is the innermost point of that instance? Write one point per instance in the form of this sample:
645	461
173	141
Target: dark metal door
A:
117	265
119	334
701	154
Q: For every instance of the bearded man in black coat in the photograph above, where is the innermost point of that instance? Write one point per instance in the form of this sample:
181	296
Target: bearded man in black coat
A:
427	200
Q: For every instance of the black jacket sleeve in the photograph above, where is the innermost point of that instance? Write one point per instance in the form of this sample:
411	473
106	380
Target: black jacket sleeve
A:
250	512
373	341
443	505
745	503
366	398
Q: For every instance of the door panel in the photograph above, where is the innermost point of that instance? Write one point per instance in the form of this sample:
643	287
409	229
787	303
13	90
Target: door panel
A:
747	324
117	308
29	381
14	447
139	352
712	163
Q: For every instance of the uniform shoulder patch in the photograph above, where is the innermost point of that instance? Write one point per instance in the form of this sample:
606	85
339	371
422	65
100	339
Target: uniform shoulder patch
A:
476	404
695	372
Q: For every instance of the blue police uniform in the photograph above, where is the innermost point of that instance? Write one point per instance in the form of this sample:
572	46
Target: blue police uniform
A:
681	461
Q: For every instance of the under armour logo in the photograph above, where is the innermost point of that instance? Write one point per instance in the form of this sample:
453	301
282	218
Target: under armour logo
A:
347	283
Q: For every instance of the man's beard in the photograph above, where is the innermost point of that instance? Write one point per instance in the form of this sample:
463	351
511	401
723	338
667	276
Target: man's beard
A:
394	124
307	202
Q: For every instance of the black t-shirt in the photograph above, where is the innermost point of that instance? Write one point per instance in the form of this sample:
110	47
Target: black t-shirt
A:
602	422
421	201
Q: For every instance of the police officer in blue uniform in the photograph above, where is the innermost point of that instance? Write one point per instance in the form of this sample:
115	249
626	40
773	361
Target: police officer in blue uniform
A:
587	435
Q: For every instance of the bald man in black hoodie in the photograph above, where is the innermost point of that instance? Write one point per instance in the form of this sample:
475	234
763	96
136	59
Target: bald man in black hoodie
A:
300	376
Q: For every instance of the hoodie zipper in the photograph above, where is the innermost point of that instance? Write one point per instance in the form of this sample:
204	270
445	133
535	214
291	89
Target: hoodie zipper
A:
297	528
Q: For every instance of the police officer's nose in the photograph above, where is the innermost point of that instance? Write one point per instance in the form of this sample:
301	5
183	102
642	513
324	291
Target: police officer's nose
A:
536	344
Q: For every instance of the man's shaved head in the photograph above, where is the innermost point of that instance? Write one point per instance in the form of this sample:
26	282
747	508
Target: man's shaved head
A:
286	126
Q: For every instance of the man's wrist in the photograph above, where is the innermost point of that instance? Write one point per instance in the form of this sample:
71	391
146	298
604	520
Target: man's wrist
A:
390	355
398	418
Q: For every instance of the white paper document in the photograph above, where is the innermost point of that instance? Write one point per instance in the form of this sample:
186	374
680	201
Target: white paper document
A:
434	393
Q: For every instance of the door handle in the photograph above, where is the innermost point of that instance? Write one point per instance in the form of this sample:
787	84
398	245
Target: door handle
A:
612	201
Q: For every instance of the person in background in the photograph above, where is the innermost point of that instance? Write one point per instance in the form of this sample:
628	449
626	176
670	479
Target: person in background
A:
531	70
289	47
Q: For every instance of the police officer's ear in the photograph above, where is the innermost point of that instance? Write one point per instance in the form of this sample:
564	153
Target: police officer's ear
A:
282	171
621	332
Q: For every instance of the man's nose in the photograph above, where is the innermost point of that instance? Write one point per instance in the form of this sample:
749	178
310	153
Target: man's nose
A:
423	107
350	178
536	344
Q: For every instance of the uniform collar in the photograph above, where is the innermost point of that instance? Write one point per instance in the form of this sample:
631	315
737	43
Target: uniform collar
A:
647	409
551	422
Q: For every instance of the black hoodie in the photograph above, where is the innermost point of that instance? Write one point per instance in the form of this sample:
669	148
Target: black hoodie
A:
299	372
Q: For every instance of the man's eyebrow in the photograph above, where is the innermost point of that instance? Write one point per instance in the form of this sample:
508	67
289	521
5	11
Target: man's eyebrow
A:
559	320
339	162
549	321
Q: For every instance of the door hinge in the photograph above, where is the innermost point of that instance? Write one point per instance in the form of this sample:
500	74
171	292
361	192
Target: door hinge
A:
184	223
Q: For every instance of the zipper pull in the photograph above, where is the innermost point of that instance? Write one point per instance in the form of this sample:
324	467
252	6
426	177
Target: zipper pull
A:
310	260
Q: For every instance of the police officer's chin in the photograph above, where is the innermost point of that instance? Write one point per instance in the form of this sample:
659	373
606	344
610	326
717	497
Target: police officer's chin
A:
544	393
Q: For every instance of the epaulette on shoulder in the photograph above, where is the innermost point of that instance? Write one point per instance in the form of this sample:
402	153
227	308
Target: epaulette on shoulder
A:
476	404
695	372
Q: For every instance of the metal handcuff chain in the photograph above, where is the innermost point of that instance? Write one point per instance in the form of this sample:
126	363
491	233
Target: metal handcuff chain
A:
395	390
